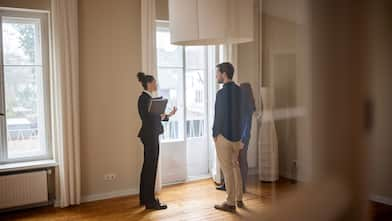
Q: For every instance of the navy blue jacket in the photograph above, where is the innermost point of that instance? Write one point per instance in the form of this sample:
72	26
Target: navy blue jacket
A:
247	110
227	120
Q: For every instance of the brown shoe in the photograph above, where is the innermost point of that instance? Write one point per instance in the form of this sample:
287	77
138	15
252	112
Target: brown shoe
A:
240	204
225	207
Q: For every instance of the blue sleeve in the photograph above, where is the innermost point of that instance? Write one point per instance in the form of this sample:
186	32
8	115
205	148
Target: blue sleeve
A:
247	126
216	128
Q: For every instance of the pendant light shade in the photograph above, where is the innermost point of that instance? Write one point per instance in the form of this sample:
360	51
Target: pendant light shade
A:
210	22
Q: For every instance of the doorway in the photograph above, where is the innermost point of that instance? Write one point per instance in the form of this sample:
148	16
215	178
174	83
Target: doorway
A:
184	76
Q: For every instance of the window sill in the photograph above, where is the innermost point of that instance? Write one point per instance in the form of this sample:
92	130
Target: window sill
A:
15	167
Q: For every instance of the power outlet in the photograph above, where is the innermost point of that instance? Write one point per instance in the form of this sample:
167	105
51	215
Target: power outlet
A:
109	177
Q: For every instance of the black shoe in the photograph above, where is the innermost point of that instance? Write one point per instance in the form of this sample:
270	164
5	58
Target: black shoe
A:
221	187
156	206
240	204
225	207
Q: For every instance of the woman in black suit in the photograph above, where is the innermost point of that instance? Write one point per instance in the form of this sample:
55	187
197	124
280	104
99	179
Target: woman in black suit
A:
149	135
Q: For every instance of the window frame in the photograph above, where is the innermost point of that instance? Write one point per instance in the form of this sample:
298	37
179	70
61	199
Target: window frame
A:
45	28
164	25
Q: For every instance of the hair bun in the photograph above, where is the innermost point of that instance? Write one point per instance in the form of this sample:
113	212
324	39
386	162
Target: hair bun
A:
140	76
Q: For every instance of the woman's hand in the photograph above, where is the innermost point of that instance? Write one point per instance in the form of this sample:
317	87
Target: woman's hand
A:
172	112
242	145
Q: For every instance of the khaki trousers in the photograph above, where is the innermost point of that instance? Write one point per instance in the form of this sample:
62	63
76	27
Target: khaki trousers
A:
228	152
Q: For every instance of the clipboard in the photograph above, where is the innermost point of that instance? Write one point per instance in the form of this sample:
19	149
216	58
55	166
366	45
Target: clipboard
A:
157	105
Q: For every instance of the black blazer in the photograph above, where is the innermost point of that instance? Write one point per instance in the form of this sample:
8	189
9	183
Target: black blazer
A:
151	123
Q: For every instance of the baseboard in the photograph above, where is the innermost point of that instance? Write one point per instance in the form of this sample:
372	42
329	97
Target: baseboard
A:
109	195
287	175
381	199
197	178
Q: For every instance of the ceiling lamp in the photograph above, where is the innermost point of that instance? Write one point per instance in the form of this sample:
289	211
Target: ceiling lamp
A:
210	22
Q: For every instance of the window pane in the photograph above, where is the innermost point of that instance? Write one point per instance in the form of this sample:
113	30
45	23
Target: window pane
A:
24	112
195	103
168	55
195	57
171	87
21	41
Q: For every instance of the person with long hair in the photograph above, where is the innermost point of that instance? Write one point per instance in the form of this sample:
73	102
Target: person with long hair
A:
248	107
149	135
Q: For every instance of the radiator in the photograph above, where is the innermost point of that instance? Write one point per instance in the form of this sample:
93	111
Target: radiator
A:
23	189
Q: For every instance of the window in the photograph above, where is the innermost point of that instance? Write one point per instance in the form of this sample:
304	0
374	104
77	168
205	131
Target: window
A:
24	74
170	78
198	96
196	85
182	79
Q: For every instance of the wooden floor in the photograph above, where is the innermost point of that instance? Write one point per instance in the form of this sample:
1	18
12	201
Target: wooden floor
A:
190	202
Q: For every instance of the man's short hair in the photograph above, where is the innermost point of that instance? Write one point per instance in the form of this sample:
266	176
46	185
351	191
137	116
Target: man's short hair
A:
226	67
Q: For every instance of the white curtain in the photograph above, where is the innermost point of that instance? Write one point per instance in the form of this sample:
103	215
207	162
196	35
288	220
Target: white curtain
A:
149	57
65	101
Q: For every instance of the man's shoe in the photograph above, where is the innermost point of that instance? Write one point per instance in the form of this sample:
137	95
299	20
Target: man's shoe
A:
157	206
221	187
225	207
240	204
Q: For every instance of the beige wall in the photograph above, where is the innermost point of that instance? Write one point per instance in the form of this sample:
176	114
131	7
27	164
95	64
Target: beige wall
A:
279	72
162	9
31	4
380	94
282	34
109	59
249	57
284	67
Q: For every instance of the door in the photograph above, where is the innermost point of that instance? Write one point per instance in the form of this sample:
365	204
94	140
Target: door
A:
196	111
183	78
170	60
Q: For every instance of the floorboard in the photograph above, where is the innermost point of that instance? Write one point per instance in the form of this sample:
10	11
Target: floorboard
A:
191	202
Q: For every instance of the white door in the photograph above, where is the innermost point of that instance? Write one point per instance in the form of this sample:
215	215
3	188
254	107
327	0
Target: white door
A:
183	78
170	59
196	83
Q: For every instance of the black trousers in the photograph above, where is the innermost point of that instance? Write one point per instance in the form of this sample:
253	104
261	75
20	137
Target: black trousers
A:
149	170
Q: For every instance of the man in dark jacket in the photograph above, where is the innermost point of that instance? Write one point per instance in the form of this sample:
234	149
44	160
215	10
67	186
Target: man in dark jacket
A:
227	134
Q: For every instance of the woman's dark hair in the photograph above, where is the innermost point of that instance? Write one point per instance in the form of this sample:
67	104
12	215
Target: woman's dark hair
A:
144	79
247	94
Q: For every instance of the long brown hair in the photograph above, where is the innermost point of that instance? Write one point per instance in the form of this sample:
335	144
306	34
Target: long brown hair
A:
247	93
